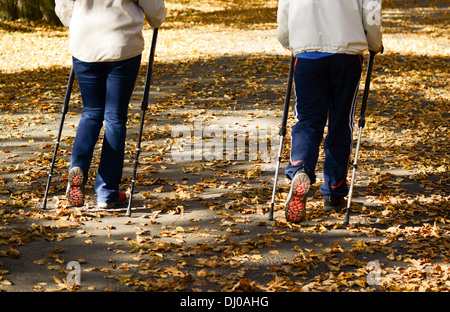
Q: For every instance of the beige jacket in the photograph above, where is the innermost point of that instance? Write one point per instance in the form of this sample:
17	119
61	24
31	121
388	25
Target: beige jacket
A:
108	30
333	26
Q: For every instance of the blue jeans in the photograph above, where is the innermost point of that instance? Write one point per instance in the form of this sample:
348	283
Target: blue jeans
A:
106	89
326	90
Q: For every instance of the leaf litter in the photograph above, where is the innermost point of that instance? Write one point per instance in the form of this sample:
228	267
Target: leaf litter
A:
201	224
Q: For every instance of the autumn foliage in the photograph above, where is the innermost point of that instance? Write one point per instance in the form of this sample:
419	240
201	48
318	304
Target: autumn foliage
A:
200	225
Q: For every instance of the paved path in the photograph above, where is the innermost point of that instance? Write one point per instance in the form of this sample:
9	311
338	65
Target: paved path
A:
199	225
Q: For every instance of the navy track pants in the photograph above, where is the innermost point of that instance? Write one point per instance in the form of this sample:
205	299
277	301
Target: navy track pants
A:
326	90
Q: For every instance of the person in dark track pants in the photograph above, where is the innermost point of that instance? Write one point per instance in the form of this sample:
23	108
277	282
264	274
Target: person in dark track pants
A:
327	38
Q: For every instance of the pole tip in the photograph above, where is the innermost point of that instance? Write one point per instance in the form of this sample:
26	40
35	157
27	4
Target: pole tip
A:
128	212
347	219
271	212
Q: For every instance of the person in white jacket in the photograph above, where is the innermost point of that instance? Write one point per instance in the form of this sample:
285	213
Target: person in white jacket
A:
327	38
106	43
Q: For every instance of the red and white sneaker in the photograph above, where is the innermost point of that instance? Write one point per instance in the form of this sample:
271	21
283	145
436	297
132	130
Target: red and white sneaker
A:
120	201
76	187
295	210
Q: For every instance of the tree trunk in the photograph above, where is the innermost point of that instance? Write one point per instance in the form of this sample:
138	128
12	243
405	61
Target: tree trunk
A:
48	12
8	10
33	10
29	9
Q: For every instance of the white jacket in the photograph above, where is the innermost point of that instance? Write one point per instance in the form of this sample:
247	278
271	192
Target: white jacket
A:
108	30
333	26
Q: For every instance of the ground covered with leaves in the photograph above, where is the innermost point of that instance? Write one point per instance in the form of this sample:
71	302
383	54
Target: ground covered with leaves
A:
201	225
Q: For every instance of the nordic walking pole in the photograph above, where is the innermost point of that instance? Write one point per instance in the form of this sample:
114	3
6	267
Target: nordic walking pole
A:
282	132
58	139
361	124
144	107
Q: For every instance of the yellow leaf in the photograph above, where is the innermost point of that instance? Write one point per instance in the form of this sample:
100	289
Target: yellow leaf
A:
13	253
6	283
57	280
41	261
333	267
180	229
159	189
203	273
62	224
53	267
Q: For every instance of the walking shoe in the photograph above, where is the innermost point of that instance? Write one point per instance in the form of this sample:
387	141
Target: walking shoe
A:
296	201
76	187
333	203
120	201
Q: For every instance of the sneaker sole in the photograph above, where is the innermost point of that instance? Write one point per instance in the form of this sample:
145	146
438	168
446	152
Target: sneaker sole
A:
295	205
75	191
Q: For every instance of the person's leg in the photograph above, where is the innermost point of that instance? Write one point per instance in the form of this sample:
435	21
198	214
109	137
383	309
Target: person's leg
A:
120	83
311	93
345	71
91	80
